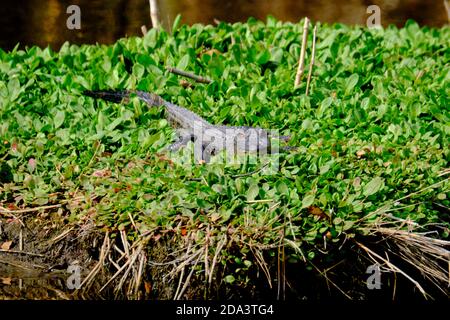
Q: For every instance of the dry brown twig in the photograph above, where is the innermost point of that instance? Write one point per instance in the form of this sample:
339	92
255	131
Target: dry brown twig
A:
61	236
262	263
176	270
301	62
21	239
140	272
447	8
154	13
430	256
22	252
137	253
123	237
103	254
222	242
327	279
129	262
188	278
188	75
311	64
3	210
377	258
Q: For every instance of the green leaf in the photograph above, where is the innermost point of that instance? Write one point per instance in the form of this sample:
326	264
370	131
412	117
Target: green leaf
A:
114	124
263	57
13	88
324	106
176	23
282	188
308	200
277	55
252	192
59	118
324	169
184	62
351	83
138	70
373	186
229	279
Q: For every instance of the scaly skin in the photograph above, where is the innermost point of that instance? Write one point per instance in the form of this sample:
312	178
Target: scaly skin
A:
191	127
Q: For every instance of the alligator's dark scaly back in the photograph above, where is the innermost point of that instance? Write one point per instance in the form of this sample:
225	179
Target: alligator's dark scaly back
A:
119	96
108	95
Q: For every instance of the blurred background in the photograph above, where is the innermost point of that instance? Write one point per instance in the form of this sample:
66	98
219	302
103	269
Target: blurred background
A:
43	22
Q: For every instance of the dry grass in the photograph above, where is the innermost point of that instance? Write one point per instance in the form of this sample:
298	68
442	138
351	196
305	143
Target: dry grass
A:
430	256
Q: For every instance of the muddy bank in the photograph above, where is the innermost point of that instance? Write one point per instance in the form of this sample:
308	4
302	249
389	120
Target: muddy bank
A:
49	258
37	254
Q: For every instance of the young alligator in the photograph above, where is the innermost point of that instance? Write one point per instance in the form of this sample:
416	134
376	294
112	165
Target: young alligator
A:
208	139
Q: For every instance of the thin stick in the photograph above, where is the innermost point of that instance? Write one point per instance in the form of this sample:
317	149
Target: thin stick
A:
262	263
250	173
144	29
447	8
324	274
180	281
186	282
260	201
311	64
136	254
113	263
3	210
22	266
103	253
207	252
125	265
123	236
218	251
426	188
188	75
301	62
21	239
9	214
393	267
61	236
22	252
132	222
154	13
140	272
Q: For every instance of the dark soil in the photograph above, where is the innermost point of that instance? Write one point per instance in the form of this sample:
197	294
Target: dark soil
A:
51	245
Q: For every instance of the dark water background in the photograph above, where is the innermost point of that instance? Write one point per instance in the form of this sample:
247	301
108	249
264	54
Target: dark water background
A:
43	22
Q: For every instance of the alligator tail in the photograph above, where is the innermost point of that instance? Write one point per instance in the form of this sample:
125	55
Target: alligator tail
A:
119	96
108	95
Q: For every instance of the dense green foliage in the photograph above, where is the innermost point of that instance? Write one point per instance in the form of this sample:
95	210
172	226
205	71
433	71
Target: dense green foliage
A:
374	129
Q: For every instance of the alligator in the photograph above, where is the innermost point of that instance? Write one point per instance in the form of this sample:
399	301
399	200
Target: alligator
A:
208	139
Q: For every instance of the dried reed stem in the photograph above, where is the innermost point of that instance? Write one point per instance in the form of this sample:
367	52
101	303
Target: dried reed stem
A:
311	64
301	62
154	13
188	75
